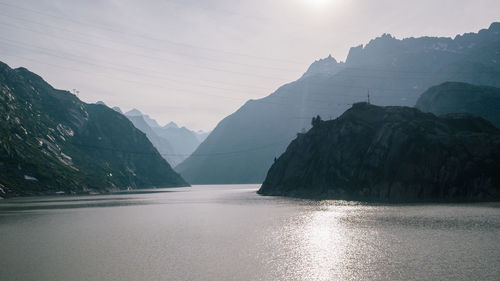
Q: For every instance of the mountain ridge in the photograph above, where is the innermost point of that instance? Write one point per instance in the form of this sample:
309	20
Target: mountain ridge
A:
379	68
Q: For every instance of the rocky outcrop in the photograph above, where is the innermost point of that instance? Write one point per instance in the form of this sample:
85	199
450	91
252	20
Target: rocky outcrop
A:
456	97
50	141
391	154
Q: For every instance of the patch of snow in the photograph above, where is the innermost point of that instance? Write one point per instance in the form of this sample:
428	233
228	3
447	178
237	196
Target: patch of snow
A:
30	178
51	138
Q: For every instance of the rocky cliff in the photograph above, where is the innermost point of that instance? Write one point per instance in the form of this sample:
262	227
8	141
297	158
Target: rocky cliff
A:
50	141
394	154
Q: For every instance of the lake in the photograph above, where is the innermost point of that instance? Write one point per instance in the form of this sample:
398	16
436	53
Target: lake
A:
228	232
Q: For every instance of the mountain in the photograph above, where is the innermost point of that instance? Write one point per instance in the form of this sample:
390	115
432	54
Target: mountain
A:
394	72
50	141
151	122
117	109
173	142
201	135
183	140
453	97
395	154
163	146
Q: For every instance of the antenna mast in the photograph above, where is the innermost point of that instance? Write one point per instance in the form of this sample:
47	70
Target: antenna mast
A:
368	97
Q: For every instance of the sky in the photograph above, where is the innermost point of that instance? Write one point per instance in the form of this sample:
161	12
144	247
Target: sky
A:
196	61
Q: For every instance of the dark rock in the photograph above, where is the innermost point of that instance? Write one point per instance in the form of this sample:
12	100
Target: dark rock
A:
391	154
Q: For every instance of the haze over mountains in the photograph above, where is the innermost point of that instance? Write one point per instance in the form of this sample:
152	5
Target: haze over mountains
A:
394	72
51	141
173	142
452	97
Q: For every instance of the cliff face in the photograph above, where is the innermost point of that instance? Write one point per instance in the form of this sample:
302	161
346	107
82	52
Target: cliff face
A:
394	154
51	141
455	97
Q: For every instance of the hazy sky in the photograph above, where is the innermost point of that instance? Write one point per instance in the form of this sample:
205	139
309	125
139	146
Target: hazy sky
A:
195	62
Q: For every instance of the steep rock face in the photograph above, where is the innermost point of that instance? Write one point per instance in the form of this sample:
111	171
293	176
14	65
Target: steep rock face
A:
51	141
395	154
395	72
454	97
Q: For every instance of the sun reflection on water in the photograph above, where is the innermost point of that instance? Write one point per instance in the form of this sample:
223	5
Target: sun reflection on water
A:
317	245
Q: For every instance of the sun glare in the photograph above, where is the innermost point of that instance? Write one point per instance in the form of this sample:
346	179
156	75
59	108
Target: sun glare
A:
318	2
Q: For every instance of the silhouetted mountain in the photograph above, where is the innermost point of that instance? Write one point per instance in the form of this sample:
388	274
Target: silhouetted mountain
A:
453	97
117	109
327	66
161	144
151	122
183	140
395	72
202	135
396	154
51	141
174	144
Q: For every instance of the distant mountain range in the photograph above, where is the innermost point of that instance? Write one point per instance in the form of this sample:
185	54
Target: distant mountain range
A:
173	142
391	154
50	141
388	71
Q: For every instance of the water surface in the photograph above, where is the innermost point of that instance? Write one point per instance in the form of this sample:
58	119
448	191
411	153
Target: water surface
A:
231	233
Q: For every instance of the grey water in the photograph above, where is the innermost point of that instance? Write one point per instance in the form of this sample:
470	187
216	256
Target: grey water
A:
231	233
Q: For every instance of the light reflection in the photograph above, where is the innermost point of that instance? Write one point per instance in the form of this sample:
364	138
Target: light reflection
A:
325	243
317	244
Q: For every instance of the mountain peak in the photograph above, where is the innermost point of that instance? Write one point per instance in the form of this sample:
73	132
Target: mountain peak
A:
326	66
495	27
117	109
133	112
171	124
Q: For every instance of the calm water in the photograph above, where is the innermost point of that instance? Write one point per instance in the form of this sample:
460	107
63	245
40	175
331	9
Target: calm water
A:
230	233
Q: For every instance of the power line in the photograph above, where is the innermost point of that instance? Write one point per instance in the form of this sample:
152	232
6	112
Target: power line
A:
142	55
119	68
148	37
146	46
189	155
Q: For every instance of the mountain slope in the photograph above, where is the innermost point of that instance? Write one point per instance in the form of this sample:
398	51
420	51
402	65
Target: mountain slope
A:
174	144
161	144
455	97
183	140
395	72
51	141
395	154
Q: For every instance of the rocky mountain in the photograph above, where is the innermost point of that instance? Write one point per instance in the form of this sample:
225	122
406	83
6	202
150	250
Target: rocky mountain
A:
163	146
453	97
151	122
394	154
50	141
183	140
394	72
173	142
